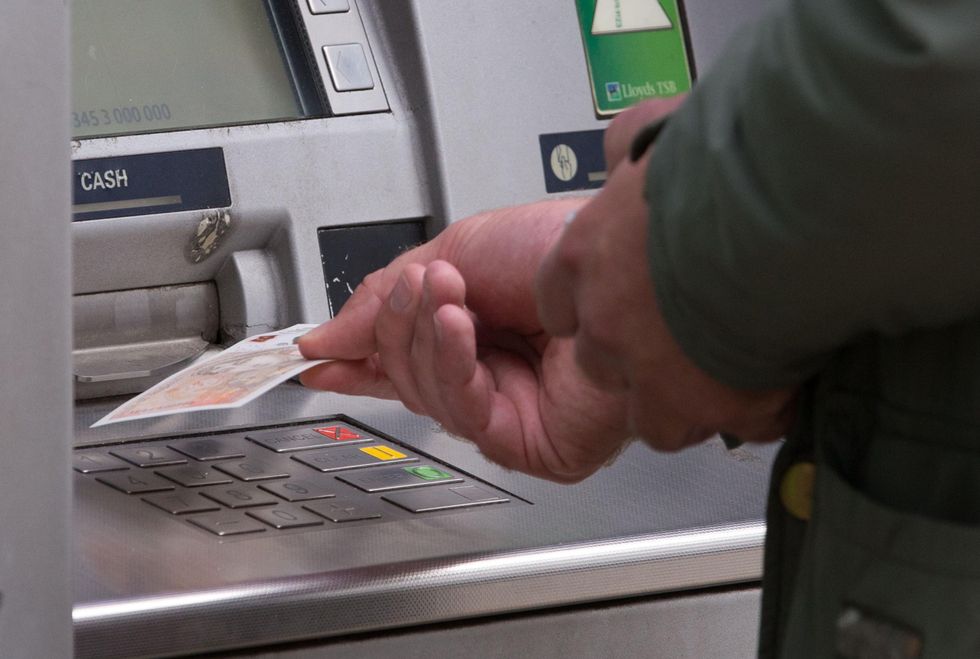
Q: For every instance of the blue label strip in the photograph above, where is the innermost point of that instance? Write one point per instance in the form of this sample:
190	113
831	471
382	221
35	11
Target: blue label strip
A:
148	184
573	161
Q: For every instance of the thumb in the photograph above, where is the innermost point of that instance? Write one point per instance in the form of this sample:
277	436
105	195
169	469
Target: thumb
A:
350	334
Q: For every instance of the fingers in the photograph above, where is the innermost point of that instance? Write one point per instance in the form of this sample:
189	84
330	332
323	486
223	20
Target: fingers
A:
395	335
462	384
362	377
624	128
442	286
350	335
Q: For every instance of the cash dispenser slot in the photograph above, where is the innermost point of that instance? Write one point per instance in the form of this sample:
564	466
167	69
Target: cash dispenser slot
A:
126	341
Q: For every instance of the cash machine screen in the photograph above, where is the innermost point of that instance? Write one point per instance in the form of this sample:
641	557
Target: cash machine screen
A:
143	65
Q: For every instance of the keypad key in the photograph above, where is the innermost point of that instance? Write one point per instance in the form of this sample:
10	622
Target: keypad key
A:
398	478
194	476
343	433
92	462
226	523
149	456
242	496
299	490
285	517
303	439
135	482
252	470
444	498
342	510
352	457
210	449
181	503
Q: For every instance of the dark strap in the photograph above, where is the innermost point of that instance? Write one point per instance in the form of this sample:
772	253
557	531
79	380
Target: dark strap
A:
645	138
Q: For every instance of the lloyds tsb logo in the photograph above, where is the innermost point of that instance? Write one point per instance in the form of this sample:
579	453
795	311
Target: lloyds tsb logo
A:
614	92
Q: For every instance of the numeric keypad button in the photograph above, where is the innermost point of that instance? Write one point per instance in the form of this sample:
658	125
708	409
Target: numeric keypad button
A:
133	482
244	496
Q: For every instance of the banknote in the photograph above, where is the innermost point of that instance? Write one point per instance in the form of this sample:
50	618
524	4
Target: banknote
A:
231	378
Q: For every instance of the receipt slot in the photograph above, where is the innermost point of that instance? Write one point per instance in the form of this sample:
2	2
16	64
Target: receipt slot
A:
237	166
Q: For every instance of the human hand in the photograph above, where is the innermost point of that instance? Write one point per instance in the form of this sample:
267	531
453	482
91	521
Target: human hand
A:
596	287
451	329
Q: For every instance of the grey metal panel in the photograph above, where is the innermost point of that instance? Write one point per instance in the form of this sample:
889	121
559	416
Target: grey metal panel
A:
499	74
35	331
702	626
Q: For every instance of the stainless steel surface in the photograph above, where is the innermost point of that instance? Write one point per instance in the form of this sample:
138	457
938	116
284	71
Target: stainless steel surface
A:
35	331
714	625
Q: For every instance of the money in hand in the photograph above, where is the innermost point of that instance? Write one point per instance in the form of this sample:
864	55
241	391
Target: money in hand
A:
232	378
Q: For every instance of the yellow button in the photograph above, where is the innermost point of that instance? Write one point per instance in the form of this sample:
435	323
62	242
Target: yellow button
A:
796	490
384	453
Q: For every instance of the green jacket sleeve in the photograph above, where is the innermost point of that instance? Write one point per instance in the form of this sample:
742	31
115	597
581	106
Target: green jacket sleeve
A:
820	184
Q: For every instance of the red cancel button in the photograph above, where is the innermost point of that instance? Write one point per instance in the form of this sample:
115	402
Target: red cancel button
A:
339	433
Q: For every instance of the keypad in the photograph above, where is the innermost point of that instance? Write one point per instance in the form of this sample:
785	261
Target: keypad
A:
307	478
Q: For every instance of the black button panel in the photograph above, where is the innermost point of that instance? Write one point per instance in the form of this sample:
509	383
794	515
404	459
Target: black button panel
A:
264	482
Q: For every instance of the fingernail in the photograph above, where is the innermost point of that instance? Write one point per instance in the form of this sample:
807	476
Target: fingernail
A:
401	295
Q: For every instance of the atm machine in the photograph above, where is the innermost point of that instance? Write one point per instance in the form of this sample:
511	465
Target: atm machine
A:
237	167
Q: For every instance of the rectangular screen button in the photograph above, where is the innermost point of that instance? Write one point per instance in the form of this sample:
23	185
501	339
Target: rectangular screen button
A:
329	6
349	70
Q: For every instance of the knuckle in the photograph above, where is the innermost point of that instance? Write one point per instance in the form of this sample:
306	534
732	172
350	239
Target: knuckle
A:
599	334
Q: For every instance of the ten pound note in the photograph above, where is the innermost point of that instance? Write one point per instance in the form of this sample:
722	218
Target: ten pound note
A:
229	379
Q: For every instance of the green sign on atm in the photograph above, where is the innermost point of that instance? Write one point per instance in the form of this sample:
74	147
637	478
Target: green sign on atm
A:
635	50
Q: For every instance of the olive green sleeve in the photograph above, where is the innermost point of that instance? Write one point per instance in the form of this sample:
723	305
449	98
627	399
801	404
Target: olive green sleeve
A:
820	184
